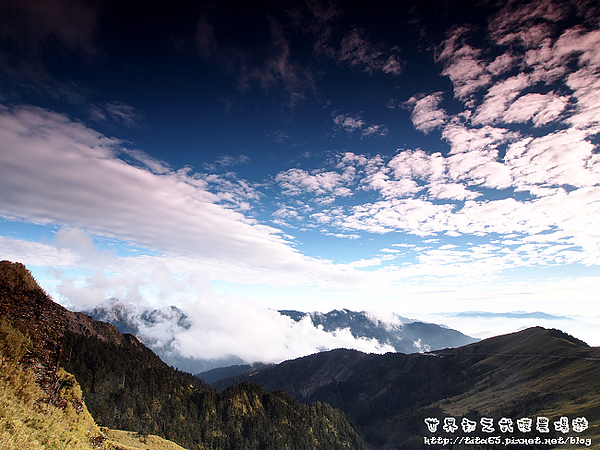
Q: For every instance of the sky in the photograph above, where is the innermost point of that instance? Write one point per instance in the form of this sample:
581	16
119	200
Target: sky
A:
425	158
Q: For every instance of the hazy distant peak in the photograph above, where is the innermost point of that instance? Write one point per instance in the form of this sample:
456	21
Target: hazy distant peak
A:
512	315
404	335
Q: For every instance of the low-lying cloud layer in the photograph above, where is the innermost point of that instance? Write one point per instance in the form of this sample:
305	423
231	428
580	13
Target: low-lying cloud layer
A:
212	330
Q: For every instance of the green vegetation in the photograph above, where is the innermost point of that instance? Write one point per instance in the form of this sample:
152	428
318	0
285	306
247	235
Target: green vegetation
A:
25	421
126	386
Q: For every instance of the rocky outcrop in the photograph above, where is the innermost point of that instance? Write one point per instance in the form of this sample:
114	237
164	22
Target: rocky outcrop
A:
26	306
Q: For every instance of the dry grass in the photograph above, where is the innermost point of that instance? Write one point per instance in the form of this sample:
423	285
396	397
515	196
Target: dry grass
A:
129	440
27	423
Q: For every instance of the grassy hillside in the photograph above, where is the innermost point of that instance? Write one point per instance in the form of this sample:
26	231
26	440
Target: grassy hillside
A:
63	422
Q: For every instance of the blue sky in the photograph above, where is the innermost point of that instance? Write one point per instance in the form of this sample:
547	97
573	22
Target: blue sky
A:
427	157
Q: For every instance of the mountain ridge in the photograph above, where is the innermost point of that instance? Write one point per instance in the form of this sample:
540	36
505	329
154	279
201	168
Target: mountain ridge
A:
126	386
405	335
533	371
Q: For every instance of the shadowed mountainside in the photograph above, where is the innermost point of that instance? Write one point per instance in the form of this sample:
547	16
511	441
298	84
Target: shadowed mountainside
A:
533	372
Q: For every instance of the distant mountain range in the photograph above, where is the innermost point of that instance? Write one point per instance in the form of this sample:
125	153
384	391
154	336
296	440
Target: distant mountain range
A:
136	320
404	335
512	315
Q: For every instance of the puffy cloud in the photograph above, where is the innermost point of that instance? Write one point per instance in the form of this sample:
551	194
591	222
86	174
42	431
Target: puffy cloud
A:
415	216
252	333
463	65
404	175
539	108
586	85
299	181
483	140
559	158
499	97
348	122
527	23
231	329
581	44
418	164
452	191
426	114
378	130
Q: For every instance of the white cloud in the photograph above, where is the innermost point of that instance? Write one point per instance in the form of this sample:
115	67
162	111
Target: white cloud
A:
586	85
474	154
463	65
299	181
389	188
583	44
35	254
378	130
426	114
348	122
559	158
480	140
404	174
53	170
452	191
526	23
499	97
418	164
415	216
253	333
539	108
353	124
